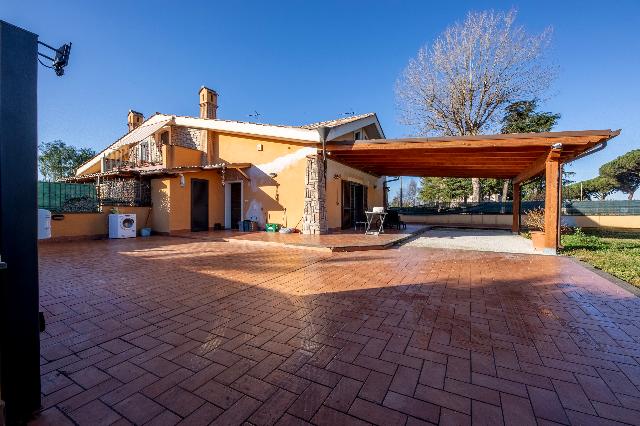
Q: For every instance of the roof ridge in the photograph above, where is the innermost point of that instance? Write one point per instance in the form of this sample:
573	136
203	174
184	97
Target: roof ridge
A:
337	121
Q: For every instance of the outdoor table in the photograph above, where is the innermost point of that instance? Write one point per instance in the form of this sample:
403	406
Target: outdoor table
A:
370	217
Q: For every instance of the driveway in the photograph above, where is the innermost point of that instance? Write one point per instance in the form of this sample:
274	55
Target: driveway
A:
474	239
175	330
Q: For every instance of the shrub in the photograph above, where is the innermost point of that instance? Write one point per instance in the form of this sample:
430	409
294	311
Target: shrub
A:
534	220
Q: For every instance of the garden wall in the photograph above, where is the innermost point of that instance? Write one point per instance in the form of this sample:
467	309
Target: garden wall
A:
504	221
91	225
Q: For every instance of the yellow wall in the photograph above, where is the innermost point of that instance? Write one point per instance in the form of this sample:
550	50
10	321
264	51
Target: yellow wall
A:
179	156
160	198
603	221
281	199
268	199
631	222
180	200
75	225
336	173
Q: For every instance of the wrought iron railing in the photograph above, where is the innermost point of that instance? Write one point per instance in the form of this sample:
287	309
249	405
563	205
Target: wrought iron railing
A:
143	154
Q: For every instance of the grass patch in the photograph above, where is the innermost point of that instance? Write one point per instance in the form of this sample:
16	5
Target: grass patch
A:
615	252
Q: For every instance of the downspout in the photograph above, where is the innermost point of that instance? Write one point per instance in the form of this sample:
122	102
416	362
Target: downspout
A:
599	147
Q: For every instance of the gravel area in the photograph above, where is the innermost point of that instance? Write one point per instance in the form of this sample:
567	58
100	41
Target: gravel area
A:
474	239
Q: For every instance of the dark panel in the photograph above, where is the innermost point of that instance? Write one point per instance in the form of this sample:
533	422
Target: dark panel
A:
19	306
199	205
236	204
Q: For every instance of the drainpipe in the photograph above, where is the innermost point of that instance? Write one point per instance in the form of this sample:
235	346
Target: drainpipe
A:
324	133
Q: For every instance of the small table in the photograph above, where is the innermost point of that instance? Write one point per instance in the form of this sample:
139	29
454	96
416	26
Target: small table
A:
370	217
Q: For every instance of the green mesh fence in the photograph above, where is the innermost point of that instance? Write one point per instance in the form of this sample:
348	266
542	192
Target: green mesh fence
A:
570	208
61	197
602	208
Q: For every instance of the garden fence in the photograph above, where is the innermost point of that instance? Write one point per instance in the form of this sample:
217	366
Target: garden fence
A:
569	208
59	197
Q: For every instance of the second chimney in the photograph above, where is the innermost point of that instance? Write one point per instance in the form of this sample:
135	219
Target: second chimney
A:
134	119
208	103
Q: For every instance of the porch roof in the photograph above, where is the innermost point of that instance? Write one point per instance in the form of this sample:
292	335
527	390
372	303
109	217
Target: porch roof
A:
519	156
155	171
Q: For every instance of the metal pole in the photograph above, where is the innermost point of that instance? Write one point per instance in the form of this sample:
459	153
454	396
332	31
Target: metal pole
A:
400	191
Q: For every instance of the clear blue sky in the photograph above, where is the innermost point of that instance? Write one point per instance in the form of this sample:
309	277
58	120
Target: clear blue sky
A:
301	61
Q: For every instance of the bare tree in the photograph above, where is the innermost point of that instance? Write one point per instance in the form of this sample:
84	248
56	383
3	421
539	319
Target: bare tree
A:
474	69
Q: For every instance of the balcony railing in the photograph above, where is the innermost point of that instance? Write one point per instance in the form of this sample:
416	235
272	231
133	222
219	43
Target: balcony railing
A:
146	153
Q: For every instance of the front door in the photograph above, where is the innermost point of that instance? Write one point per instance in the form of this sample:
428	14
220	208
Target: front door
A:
236	204
199	205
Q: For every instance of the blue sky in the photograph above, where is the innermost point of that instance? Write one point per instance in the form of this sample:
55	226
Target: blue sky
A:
296	62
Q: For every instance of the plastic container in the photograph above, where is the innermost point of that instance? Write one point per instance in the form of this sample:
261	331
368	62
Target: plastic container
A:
44	224
272	227
145	232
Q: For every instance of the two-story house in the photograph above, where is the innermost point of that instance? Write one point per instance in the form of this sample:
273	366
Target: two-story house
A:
202	171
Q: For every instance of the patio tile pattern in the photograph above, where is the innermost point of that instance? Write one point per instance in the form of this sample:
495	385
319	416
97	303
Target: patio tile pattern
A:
183	331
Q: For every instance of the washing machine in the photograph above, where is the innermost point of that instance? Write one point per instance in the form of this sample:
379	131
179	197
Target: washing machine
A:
122	225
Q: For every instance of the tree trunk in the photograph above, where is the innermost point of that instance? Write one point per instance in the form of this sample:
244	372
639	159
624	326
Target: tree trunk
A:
475	184
505	190
630	195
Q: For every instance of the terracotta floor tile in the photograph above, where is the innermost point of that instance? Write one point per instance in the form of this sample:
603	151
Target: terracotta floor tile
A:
198	330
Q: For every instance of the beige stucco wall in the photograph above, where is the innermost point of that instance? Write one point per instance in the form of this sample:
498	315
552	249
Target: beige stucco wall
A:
96	225
278	199
178	209
462	219
632	222
603	221
160	217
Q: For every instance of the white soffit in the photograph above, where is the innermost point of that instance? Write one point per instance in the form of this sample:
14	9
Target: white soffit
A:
252	129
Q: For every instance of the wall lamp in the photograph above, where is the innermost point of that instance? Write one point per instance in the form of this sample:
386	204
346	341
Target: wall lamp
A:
182	183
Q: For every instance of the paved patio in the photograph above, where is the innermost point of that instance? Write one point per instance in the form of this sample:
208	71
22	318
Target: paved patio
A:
344	240
497	240
175	330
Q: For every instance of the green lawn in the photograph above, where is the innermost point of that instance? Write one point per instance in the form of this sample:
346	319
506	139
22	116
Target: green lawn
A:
615	252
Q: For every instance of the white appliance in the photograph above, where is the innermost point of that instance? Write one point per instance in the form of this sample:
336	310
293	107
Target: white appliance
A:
44	224
122	225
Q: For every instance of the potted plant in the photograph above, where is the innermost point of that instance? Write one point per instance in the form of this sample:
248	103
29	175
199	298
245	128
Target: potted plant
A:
534	220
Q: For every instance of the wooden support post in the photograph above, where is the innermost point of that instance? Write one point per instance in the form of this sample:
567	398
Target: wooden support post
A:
515	226
551	202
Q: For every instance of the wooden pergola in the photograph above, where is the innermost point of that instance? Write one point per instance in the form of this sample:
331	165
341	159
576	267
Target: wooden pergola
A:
519	157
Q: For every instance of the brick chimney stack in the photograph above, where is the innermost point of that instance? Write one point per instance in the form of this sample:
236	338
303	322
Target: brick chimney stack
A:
134	119
208	103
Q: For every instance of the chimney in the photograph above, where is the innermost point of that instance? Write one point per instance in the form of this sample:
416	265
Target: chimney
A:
134	119
208	103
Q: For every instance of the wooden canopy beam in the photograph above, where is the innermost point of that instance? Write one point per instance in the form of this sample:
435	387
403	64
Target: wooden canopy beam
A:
536	168
552	203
